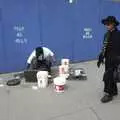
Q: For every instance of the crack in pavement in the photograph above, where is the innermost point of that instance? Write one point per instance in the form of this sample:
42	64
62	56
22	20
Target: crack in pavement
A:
67	114
73	112
8	110
95	113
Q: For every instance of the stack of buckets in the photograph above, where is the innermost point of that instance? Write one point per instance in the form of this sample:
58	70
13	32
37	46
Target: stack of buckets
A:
60	81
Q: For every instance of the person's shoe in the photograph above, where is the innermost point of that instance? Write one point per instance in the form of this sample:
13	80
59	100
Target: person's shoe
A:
106	98
114	94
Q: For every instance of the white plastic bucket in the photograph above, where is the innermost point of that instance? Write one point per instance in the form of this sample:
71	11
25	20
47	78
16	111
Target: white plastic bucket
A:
59	83
65	62
42	79
64	71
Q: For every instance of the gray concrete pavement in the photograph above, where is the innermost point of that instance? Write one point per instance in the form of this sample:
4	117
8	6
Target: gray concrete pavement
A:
80	101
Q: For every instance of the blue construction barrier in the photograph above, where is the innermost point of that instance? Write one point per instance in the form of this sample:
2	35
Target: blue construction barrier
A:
72	31
21	33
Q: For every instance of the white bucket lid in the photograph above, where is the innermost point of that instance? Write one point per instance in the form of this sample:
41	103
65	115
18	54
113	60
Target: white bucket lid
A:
60	80
63	61
42	73
34	87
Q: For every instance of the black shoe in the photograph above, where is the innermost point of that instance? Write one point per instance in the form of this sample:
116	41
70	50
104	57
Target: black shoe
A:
114	94
106	98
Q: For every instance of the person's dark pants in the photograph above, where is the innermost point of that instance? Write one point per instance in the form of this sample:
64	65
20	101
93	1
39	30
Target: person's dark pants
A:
110	86
41	65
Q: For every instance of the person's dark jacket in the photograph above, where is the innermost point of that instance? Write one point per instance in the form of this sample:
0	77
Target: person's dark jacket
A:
111	46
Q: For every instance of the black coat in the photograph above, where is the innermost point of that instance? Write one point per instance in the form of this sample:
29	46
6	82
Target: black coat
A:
113	46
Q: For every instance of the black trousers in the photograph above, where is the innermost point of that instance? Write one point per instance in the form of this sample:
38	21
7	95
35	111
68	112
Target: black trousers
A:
110	86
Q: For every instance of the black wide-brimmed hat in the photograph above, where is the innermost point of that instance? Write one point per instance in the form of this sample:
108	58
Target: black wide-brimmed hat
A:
109	20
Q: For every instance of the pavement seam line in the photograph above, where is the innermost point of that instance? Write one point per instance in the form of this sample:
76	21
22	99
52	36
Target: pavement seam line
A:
69	113
8	110
95	113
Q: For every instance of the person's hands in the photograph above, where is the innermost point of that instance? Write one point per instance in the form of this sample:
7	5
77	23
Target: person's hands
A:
99	63
100	60
28	66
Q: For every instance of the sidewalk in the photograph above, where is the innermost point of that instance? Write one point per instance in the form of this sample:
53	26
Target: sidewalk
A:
80	101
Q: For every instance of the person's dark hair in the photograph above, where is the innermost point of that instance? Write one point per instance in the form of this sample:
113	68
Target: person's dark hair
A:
39	51
110	20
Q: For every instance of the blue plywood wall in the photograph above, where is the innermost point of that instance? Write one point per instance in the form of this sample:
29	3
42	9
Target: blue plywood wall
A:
73	30
21	32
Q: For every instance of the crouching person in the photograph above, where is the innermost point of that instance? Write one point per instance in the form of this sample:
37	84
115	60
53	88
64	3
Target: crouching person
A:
41	58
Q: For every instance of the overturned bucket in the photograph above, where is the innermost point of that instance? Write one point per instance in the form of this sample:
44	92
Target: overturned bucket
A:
42	79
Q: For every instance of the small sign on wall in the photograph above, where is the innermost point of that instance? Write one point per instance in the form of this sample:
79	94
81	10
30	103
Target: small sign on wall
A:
20	34
87	33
